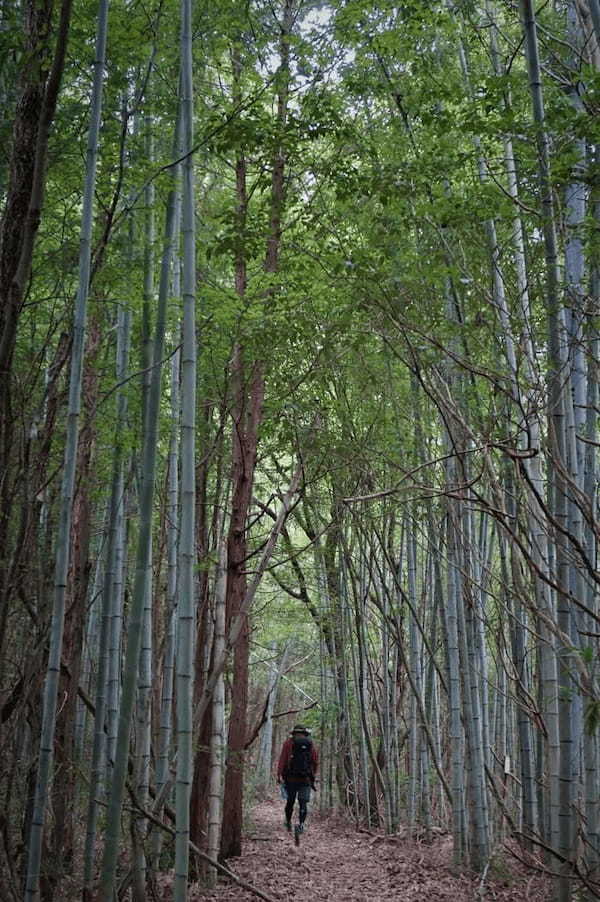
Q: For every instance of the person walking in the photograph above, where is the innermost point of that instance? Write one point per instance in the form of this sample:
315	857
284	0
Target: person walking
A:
296	771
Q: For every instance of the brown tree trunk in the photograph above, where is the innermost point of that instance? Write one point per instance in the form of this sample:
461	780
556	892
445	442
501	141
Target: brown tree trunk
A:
247	415
64	788
199	796
36	106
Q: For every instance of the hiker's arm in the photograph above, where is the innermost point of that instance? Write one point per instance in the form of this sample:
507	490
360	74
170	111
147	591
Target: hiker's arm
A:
314	760
283	757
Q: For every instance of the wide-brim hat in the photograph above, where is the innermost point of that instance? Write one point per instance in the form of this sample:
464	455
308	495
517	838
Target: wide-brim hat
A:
300	728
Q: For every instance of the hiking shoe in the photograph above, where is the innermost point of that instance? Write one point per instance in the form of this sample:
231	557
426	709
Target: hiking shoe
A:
297	831
288	826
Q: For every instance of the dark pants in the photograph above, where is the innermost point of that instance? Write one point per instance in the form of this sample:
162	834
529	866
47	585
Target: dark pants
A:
303	794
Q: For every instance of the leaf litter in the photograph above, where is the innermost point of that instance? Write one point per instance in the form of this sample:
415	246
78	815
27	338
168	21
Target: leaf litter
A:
336	863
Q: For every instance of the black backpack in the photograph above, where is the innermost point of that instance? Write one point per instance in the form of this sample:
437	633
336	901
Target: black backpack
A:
300	763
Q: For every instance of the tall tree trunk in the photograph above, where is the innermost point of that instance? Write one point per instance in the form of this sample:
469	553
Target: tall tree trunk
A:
63	541
144	544
247	414
36	106
557	444
63	790
331	561
186	606
591	745
248	393
217	739
264	770
168	665
108	605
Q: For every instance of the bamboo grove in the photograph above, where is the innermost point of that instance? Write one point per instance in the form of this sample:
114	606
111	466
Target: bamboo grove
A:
299	334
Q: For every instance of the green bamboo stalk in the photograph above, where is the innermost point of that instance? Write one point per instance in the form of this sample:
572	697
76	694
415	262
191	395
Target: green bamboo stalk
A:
113	687
108	601
558	448
591	745
185	618
144	691
90	649
217	738
454	700
414	663
130	675
165	730
68	482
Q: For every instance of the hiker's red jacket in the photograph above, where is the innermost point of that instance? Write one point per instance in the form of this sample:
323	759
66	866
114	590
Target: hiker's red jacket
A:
285	756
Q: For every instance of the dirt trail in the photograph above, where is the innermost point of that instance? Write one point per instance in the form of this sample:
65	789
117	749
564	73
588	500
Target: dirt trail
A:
334	863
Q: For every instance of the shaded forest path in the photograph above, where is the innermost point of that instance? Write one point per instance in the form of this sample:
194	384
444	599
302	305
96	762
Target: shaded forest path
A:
335	863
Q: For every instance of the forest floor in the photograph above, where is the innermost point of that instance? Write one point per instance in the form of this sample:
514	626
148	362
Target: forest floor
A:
335	863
